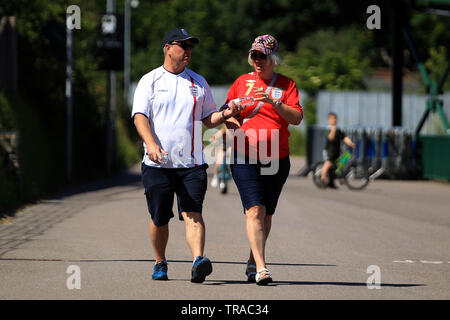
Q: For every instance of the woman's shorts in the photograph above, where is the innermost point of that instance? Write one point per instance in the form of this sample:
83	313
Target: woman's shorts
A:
257	188
189	185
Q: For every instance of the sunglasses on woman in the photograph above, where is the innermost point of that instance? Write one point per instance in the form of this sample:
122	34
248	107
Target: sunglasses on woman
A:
258	55
184	45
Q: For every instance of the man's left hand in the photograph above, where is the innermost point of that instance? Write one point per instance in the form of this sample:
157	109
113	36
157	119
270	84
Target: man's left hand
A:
233	109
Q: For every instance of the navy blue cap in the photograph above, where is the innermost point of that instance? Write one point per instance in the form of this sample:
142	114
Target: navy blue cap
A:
178	35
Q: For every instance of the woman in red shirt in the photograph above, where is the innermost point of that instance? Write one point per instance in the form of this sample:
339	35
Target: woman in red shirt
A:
261	154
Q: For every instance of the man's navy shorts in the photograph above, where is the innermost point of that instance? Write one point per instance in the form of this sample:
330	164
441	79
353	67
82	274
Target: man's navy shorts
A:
259	189
189	184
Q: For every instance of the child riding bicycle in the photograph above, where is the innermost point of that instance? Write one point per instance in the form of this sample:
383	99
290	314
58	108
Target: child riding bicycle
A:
332	149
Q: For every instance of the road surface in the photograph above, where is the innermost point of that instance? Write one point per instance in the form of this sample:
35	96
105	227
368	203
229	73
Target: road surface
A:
93	243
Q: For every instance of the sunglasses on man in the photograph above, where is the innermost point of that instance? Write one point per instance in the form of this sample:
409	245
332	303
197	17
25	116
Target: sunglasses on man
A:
184	45
258	55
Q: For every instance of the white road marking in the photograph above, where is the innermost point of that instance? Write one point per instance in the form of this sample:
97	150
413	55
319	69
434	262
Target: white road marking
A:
421	261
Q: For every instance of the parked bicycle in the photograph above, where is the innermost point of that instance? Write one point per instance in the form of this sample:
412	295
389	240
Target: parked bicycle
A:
224	172
347	170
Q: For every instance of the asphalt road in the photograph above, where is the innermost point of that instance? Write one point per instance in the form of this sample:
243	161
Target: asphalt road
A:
324	244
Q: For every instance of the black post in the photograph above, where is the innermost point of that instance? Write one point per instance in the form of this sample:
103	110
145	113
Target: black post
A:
8	54
309	153
69	101
110	108
397	76
108	123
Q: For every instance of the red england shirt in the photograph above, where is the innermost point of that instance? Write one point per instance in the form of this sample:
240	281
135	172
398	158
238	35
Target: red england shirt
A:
266	123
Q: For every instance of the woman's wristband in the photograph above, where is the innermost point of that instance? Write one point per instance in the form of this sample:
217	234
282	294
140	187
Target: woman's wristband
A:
277	103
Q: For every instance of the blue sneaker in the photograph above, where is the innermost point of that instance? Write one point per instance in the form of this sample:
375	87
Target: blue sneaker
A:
160	271
202	267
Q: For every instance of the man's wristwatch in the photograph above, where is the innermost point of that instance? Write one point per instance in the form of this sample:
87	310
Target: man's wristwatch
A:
224	116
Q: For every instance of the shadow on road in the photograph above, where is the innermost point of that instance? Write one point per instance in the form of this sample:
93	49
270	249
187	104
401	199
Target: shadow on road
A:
314	283
349	284
129	176
169	261
231	282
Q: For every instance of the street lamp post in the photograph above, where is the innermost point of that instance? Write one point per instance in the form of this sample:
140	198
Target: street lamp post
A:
127	46
126	56
111	107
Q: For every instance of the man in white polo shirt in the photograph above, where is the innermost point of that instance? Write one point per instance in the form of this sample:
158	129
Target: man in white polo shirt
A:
170	105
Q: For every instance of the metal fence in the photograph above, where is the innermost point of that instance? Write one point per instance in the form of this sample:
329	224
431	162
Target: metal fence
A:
374	109
366	117
389	153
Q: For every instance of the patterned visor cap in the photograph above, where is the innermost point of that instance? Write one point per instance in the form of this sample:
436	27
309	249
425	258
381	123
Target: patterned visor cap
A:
265	44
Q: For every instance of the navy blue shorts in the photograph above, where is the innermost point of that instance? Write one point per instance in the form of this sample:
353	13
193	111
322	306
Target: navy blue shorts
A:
260	189
189	185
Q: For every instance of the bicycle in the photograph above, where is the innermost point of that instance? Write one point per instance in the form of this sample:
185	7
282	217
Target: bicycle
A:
224	171
348	170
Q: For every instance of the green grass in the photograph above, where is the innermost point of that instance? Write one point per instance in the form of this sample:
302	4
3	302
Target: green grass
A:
127	149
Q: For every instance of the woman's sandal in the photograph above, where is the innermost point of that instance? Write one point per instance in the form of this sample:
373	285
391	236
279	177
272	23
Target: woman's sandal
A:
250	272
263	277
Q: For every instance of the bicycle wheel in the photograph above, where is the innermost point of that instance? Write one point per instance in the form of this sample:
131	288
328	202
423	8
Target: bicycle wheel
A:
356	176
317	172
223	181
223	187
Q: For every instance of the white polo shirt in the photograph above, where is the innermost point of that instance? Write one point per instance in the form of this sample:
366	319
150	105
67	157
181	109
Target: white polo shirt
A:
175	105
